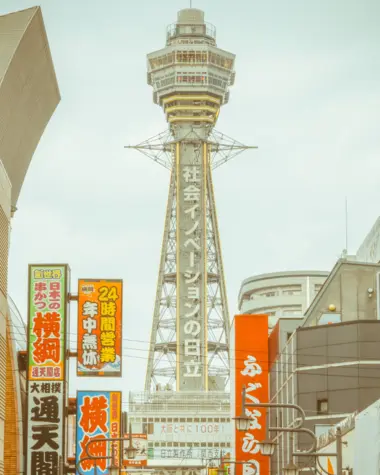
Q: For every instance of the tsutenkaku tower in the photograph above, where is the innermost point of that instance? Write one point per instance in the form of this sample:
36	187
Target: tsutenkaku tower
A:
190	333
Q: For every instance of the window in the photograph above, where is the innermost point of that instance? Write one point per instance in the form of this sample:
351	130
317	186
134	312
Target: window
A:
329	318
322	406
291	290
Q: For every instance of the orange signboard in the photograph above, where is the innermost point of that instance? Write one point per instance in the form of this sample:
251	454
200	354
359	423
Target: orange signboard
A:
99	327
249	368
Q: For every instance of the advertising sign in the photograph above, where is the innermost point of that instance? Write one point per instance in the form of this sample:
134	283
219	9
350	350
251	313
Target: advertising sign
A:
47	322
99	327
140	443
190	431
191	269
46	413
187	452
98	417
249	368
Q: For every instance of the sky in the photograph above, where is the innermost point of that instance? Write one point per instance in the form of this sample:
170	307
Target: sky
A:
307	93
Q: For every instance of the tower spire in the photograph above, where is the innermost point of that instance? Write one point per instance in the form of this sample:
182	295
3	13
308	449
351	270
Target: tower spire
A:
189	343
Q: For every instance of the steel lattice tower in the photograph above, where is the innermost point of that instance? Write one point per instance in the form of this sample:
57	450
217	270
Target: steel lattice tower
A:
190	331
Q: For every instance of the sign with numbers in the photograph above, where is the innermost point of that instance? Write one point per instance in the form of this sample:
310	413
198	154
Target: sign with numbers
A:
99	327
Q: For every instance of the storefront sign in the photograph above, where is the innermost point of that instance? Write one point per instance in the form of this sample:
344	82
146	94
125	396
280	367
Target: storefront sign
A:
99	418
99	327
249	368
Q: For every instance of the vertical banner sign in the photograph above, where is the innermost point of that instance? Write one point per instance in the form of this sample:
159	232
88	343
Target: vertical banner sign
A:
47	323
98	417
191	262
99	327
249	368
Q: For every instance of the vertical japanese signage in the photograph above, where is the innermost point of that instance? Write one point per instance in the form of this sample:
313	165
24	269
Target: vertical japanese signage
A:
99	327
249	368
47	325
191	260
98	418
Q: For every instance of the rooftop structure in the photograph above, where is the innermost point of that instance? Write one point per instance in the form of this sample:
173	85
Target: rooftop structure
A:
280	294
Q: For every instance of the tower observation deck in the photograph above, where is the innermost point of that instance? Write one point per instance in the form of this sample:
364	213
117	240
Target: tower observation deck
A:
190	77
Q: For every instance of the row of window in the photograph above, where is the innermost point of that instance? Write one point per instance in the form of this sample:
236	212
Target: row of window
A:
176	420
191	57
184	444
281	290
191	79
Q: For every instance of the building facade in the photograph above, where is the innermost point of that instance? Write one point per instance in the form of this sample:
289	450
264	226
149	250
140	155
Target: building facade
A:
28	97
331	365
280	294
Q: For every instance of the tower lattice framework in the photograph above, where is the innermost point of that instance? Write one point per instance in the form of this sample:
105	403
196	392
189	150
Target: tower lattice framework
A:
189	344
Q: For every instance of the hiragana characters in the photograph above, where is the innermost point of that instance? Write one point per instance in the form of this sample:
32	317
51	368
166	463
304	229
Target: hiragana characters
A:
192	328
46	409
47	349
44	463
252	387
250	444
90	358
253	415
251	367
191	193
47	324
108	355
107	324
90	309
45	434
94	413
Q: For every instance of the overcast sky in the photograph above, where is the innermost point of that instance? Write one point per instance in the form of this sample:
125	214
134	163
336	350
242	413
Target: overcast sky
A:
307	93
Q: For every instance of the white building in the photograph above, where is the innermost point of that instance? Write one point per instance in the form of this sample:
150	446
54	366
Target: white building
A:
280	294
187	429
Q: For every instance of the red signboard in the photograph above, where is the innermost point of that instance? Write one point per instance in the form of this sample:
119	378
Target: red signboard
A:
249	368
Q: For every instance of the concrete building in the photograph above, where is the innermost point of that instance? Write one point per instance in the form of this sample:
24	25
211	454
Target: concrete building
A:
28	97
331	365
280	294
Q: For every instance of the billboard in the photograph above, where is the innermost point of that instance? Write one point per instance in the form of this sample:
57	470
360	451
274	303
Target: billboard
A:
140	443
249	368
47	323
98	417
99	327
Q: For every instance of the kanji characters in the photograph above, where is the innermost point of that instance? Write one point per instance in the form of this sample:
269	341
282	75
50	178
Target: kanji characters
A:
46	409
90	309
108	355
47	350
191	173
44	463
90	358
90	342
107	324
47	324
45	435
94	413
97	449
